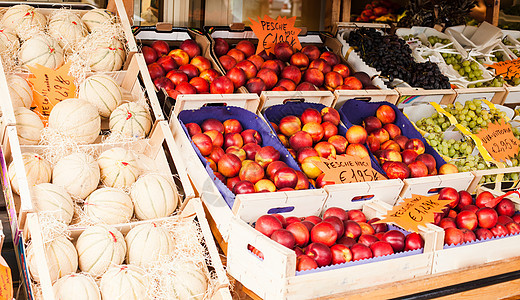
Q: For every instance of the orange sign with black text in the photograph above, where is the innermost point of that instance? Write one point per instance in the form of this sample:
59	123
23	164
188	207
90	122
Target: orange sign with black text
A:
270	32
499	140
414	212
506	69
347	169
50	87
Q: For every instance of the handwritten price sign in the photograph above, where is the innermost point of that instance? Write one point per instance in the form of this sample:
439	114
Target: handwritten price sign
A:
270	32
499	141
414	212
507	69
347	169
50	87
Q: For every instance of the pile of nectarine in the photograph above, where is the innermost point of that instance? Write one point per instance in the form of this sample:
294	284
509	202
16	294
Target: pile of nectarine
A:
339	237
466	220
238	159
287	70
399	156
314	134
184	70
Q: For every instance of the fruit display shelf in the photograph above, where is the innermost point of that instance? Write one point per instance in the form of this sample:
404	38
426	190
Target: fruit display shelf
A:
166	38
160	148
324	42
134	83
32	235
274	276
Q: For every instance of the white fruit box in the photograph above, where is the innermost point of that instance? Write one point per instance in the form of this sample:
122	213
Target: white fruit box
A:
160	147
417	96
192	211
129	81
495	95
423	33
499	185
275	276
388	95
454	257
512	96
433	184
48	8
482	38
245	206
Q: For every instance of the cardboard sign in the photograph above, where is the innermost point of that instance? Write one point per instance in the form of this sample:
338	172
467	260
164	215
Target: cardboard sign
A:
414	212
507	69
6	282
499	141
50	87
270	32
347	169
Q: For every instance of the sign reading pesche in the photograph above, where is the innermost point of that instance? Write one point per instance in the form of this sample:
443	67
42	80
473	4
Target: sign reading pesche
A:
270	32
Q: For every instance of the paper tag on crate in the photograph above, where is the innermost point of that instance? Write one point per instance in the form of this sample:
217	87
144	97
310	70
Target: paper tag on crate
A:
348	169
50	87
506	69
270	32
499	141
414	212
6	282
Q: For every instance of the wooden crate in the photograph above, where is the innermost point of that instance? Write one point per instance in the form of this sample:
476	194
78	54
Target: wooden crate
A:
270	98
496	95
127	79
498	185
160	146
245	206
366	95
193	211
433	184
480	252
275	277
414	96
513	95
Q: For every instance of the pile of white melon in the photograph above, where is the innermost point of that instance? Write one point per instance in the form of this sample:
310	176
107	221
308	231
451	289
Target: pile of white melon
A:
34	38
100	97
113	266
110	189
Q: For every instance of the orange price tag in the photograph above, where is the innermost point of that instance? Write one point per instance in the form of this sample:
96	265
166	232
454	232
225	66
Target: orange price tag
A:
50	87
506	69
415	211
270	32
499	141
6	282
347	169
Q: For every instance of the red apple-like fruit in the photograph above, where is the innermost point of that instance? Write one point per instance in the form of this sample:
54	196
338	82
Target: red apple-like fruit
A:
221	85
340	143
325	233
203	143
266	155
248	67
264	185
506	207
177	77
447	223
499	230
237	55
415	144
418	169
313	219
395	238
251	136
306	152
483	233
255	85
352	229
209	75
283	51
356	135
155	70
251	171
201	63
237	76
311	51
350	83
340	254
299	60
201	85
305	263
285	85
257	60
300	140
392	129
381	248
357	150
284	237
267	224
428	160
306	86
269	77
513	228
449	193
221	46
217	138
161	47
314	76
289	125
180	56
329	114
292	73
342	69
413	241
229	165
315	130
246	47
409	156
300	233
303	182
337	223
360	251
227	62
212	124
285	178
367	239
385	114
325	150
504	220
401	141
330	57
487	217
371	124
453	236
191	47
164	83
193	128
336	212
167	63
467	219
320	253
233	139
448	169
150	55
484	199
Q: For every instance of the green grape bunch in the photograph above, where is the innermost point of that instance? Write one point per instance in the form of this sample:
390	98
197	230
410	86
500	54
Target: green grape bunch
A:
473	115
450	147
435	40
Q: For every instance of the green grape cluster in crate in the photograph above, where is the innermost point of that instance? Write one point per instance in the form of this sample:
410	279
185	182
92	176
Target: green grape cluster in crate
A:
495	82
450	147
509	43
435	39
473	115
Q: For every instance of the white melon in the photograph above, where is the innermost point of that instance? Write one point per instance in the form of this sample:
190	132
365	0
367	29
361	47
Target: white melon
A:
126	282
187	281
43	50
108	55
24	19
119	167
19	90
53	199
98	17
67	28
78	173
28	126
147	244
154	196
109	205
62	258
131	119
9	40
77	119
99	247
37	170
103	92
76	286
